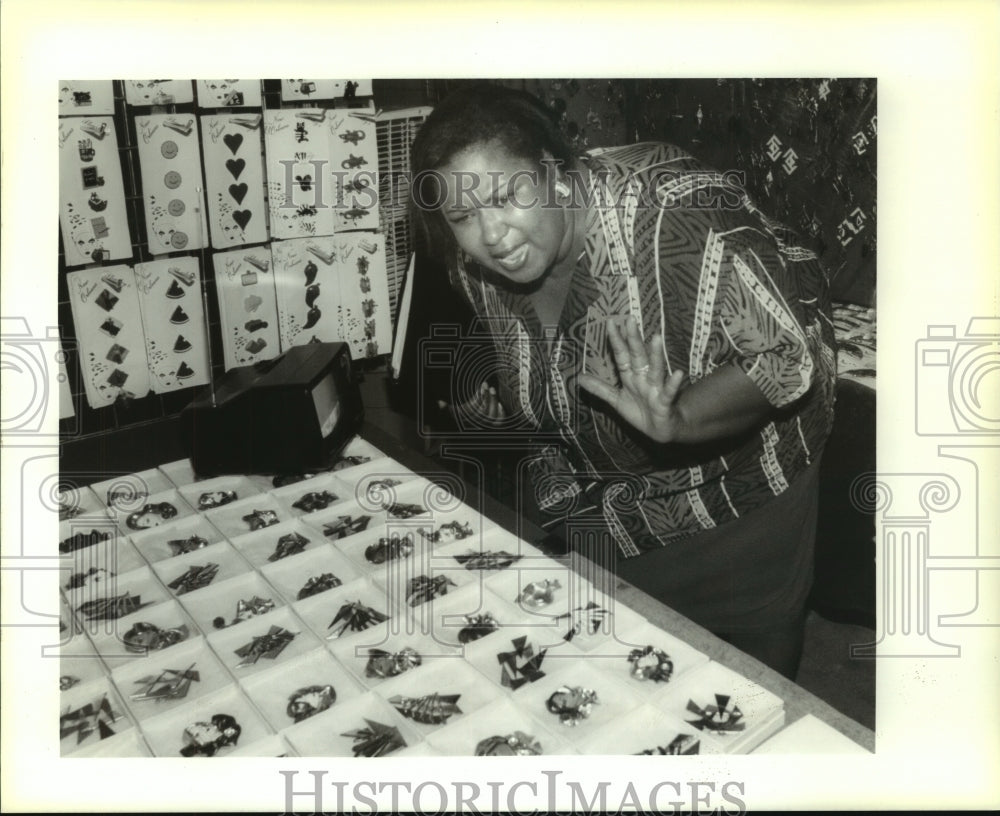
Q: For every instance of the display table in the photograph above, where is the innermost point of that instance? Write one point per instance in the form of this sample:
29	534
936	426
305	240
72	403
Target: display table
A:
799	703
383	606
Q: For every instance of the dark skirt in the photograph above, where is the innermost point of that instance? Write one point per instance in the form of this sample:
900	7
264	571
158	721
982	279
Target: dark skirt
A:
750	575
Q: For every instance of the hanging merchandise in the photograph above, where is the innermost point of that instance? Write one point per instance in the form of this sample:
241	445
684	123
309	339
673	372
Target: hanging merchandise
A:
170	163
364	293
234	176
300	195
112	351
354	167
302	90
91	194
228	93
86	98
307	279
173	317
66	409
247	306
158	91
333	289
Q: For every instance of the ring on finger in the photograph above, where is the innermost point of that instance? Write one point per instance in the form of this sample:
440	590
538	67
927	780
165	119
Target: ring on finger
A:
642	369
625	367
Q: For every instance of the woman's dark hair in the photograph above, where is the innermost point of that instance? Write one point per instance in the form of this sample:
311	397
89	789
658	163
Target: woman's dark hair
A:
479	114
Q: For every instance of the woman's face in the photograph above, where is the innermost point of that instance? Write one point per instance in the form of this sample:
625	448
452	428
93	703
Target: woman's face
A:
503	213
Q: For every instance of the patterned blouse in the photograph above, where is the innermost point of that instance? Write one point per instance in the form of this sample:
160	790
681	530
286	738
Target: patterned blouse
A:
683	250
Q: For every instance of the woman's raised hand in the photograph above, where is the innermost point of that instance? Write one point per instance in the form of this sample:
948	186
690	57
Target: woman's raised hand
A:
648	398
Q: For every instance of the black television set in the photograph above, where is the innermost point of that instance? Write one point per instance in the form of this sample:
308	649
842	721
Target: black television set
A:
288	415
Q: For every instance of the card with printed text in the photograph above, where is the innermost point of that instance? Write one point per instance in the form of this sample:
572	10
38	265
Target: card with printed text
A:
91	194
109	333
170	163
234	175
301	90
298	162
158	91
354	168
79	97
228	93
173	317
248	309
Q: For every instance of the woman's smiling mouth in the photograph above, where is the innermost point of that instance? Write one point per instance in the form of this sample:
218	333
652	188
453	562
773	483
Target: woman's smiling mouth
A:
513	260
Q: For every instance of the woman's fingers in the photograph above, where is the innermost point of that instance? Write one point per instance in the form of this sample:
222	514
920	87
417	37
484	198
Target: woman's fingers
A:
619	346
601	389
478	402
657	360
485	403
636	348
671	388
495	410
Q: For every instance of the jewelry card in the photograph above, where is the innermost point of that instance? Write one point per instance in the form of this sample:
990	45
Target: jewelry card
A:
576	701
307	279
301	688
318	569
112	349
228	93
277	542
646	731
499	729
201	570
234	603
166	680
347	611
364	294
354	167
176	330
158	91
248	308
263	642
138	514
298	157
170	163
91	193
211	726
88	714
724	707
368	727
176	538
219	491
79	662
438	694
301	90
86	97
234	175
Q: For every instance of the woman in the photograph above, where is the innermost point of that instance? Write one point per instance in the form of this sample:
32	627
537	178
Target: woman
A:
666	337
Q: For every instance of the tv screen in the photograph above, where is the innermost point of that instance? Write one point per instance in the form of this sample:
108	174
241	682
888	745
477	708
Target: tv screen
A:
327	405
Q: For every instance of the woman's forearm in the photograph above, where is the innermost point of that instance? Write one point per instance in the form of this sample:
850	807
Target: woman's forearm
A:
723	404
